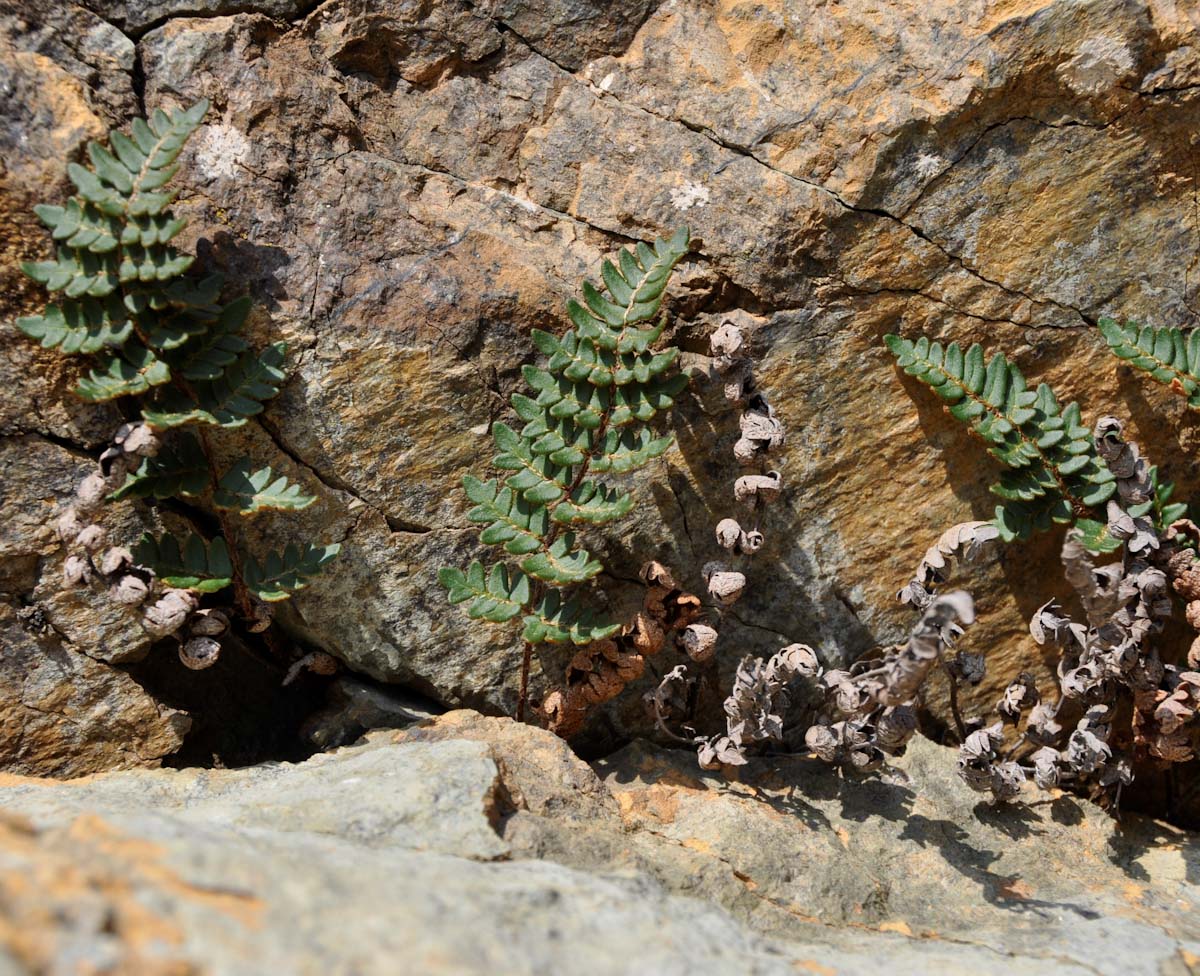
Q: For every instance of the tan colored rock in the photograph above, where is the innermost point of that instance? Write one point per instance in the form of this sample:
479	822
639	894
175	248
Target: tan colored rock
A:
407	195
472	845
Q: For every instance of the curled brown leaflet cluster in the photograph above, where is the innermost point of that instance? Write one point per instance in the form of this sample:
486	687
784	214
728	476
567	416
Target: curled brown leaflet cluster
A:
863	714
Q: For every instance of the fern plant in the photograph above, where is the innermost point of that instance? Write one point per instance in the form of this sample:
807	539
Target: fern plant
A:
585	415
162	341
1054	473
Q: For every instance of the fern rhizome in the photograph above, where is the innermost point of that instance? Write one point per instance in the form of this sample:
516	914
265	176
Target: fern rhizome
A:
586	416
168	348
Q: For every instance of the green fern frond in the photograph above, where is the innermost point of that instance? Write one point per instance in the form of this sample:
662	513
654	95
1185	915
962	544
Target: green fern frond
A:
1166	354
584	416
495	597
179	468
282	574
229	400
247	491
205	568
555	620
124	296
1055	473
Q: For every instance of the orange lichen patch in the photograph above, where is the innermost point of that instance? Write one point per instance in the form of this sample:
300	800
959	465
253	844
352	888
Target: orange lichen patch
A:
144	861
901	928
1190	959
1013	889
811	966
1133	893
843	835
52	890
656	802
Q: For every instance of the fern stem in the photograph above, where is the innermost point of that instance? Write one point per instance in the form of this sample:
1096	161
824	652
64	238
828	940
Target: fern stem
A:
524	696
241	594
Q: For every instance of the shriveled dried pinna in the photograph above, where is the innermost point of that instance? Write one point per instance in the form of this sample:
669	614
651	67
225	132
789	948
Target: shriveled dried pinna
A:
646	634
729	533
656	574
76	571
91	491
699	642
763	428
726	342
68	526
91	538
167	614
199	653
261	619
208	623
724	585
758	486
115	560
130	591
139	440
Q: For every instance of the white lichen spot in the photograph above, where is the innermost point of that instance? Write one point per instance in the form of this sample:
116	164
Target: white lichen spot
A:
691	194
1099	64
929	166
221	149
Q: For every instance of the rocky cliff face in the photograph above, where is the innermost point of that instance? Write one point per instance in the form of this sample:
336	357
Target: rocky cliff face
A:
407	189
477	846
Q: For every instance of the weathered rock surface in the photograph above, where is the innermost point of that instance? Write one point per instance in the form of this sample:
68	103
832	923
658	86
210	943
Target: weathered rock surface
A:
407	189
475	845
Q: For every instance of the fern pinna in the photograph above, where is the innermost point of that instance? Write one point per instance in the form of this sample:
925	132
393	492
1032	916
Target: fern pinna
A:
1167	355
158	334
585	416
1055	474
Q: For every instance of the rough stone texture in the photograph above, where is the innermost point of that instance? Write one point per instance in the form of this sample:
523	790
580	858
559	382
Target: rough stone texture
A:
63	711
434	846
408	188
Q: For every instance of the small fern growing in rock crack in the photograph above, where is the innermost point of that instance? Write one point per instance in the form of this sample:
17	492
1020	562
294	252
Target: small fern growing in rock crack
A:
1054	473
585	416
162	337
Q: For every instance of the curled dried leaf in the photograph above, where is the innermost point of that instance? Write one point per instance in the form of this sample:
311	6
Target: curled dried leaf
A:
68	525
894	728
89	496
260	620
139	440
199	653
1046	767
1020	695
91	538
699	642
168	613
1043	727
77	571
130	591
798	659
729	533
656	574
208	623
726	342
725	586
963	541
115	559
763	487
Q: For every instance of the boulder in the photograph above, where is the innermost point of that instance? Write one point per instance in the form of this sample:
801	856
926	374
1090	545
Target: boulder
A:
475	845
